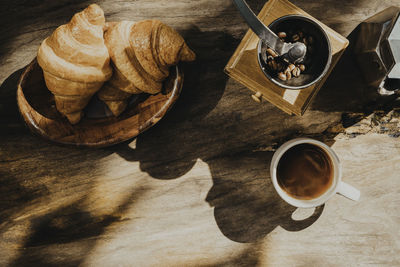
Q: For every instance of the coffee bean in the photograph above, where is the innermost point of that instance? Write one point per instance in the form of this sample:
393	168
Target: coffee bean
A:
281	66
282	76
295	38
282	35
257	97
288	74
296	72
274	65
271	52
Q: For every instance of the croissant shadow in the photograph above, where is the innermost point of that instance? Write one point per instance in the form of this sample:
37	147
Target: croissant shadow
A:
203	87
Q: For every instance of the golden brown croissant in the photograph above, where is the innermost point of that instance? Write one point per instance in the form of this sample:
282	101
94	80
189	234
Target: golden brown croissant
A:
141	54
75	61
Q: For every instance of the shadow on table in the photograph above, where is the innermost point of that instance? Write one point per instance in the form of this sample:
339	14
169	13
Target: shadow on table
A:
346	90
246	207
69	232
16	17
27	174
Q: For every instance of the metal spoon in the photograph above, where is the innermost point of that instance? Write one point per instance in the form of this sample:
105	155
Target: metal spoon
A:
293	52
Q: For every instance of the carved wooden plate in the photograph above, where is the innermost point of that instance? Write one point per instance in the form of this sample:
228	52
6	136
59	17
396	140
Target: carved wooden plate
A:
98	128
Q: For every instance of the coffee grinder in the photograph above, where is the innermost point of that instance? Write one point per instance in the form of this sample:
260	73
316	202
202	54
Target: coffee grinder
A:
248	65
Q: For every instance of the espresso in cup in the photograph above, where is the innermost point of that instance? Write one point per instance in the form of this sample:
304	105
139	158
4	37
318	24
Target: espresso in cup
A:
305	171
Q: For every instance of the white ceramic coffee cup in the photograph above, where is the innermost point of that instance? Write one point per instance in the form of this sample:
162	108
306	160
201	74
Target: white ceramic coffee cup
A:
337	185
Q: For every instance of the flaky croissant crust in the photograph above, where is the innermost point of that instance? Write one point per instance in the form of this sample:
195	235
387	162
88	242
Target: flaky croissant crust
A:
76	51
141	54
75	61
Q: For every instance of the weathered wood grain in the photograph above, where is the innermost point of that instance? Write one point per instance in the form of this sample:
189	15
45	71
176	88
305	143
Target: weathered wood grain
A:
194	190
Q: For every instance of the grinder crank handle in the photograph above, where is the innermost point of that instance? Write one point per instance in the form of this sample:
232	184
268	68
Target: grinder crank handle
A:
294	52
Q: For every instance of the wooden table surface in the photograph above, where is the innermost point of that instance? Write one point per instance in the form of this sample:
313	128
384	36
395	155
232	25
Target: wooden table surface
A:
195	189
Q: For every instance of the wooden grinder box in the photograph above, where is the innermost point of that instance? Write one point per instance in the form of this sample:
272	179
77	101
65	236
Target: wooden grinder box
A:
243	66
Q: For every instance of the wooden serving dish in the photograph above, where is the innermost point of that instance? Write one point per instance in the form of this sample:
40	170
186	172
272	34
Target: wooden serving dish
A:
98	128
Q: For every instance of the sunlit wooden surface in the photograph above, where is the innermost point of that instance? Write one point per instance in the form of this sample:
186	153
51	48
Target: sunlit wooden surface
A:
195	189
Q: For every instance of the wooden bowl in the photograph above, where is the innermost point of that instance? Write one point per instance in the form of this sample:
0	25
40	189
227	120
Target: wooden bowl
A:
98	128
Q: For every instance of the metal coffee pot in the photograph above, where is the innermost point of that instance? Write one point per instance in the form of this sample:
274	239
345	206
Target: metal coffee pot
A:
377	50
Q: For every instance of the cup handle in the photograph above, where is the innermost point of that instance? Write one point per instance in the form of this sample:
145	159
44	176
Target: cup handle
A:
349	191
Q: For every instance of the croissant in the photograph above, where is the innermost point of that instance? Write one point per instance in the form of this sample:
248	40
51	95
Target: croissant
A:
141	54
76	62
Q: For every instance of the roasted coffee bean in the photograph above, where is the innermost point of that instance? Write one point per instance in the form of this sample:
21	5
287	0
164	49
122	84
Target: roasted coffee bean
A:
281	67
257	97
274	65
272	52
295	38
282	76
282	35
288	74
296	72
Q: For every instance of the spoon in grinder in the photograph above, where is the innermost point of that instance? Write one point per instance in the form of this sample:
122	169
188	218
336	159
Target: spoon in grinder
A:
292	52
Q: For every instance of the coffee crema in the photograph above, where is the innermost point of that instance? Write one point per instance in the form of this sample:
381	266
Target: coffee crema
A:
305	171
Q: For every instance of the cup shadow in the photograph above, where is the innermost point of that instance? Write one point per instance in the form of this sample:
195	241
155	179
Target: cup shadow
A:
246	205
